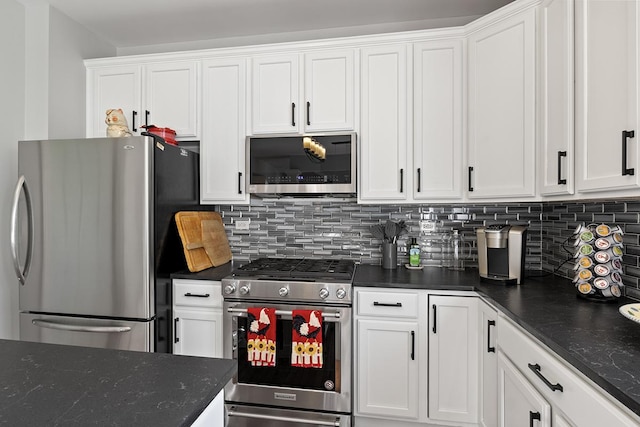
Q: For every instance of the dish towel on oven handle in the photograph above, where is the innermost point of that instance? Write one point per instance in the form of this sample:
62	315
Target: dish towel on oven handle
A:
306	338
261	336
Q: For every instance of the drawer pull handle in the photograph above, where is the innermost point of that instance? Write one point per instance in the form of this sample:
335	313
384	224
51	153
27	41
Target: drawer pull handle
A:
536	370
176	339
490	349
625	135
435	318
532	417
387	304
189	294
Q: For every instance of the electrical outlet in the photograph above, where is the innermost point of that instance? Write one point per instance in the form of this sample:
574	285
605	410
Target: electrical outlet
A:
427	226
242	224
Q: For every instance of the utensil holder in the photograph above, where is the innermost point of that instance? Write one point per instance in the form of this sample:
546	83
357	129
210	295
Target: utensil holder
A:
389	255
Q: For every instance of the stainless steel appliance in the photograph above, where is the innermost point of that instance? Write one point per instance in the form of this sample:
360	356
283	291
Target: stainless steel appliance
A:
302	165
93	241
501	252
285	395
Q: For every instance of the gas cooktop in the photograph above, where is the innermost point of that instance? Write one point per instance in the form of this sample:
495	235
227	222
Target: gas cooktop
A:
296	268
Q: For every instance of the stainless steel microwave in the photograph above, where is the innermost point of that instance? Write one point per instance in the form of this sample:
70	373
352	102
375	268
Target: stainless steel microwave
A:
302	165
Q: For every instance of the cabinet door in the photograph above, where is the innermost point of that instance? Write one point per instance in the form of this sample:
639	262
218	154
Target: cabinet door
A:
453	359
488	366
519	403
329	91
555	97
607	94
113	87
222	149
387	369
383	135
501	110
275	93
171	97
437	123
197	332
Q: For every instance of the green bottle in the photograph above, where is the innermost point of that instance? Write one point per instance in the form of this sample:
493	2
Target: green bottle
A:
414	253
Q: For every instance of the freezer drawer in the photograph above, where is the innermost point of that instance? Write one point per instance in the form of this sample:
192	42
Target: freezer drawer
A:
256	416
101	333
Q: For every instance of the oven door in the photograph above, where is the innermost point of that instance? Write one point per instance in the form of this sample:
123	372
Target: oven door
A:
252	416
325	389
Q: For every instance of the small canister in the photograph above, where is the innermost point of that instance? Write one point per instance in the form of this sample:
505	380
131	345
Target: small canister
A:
601	283
603	243
583	262
602	270
585	249
583	275
584	237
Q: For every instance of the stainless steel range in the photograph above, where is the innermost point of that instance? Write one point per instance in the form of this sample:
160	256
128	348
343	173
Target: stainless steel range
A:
286	394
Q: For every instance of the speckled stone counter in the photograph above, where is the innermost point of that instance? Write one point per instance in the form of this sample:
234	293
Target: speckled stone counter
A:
593	337
54	385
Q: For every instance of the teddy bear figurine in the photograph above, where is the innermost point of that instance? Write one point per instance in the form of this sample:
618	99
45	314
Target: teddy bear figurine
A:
117	125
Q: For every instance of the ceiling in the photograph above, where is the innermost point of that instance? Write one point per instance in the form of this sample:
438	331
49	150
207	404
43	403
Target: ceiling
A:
127	23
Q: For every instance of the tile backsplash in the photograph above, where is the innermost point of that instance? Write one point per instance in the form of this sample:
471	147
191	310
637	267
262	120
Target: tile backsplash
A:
340	228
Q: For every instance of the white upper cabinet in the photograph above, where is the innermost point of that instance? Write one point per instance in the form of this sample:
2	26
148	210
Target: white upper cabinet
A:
501	107
275	105
222	149
555	98
109	88
171	97
326	102
329	90
437	122
607	94
384	127
164	94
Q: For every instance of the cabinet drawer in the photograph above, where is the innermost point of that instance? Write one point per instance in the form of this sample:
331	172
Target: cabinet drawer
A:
387	303
583	402
197	293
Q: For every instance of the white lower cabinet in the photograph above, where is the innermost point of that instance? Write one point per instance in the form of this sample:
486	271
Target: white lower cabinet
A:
390	355
488	399
527	368
520	403
197	318
453	359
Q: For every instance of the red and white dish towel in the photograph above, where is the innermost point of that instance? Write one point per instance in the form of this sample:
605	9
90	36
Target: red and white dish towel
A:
306	337
261	336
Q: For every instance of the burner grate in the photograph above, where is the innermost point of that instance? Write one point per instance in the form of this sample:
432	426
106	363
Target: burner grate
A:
299	268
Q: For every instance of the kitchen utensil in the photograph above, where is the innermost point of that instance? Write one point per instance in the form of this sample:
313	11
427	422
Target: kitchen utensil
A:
190	230
215	242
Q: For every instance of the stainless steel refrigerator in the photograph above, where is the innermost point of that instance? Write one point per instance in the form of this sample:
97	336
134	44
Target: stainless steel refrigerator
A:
94	241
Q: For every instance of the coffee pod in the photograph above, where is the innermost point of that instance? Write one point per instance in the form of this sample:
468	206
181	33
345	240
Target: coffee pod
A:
603	243
585	249
585	288
602	270
583	275
615	290
584	237
617	238
583	262
602	257
616	264
601	283
603	230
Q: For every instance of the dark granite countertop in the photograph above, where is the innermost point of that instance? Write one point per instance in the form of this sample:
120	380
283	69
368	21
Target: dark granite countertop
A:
213	273
591	336
57	385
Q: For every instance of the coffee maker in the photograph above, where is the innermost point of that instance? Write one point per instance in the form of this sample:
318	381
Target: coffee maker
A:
501	252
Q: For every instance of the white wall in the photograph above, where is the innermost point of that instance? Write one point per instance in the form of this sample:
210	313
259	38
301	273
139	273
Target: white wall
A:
69	44
12	88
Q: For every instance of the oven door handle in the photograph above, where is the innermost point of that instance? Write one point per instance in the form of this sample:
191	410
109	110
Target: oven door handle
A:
243	311
294	420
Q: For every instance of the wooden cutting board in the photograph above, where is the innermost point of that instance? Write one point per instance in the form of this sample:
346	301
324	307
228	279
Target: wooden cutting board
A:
215	242
190	230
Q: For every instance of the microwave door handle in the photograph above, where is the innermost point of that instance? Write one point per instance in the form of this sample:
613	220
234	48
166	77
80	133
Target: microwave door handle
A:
21	272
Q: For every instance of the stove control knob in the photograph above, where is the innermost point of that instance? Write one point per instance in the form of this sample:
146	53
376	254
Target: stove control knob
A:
341	293
283	291
229	289
244	290
324	293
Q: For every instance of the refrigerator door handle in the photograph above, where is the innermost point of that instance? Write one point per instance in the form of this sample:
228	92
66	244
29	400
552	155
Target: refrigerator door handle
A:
80	328
21	273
